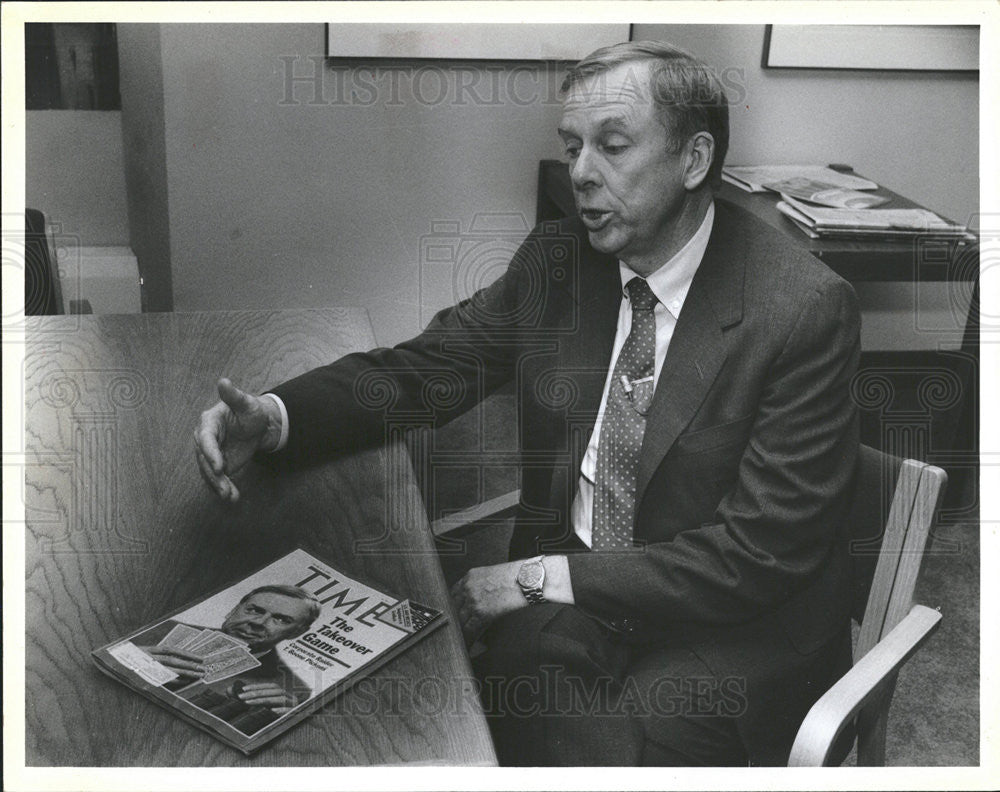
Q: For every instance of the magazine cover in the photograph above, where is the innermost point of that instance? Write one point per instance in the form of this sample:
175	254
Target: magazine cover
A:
252	660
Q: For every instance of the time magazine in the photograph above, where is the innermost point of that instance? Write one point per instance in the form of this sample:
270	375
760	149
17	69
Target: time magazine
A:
254	659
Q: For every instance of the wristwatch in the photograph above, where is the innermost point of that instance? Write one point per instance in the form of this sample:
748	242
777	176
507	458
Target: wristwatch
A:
530	578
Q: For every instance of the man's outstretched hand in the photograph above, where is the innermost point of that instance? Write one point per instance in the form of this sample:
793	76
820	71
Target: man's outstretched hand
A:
230	433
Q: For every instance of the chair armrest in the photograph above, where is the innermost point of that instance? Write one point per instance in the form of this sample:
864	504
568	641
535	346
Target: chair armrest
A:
463	521
841	703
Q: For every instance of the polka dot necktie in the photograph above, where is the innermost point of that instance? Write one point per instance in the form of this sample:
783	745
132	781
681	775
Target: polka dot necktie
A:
629	396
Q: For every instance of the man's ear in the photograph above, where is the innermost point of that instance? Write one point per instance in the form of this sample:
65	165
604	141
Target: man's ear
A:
700	151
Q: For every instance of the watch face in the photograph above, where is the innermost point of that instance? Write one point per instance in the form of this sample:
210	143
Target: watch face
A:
531	575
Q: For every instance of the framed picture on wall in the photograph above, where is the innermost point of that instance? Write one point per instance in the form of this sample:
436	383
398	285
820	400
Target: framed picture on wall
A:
883	47
470	41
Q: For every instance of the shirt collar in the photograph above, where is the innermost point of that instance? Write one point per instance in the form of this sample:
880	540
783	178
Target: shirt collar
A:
670	283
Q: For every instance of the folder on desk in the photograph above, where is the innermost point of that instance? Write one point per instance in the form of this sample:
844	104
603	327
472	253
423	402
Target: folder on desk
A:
752	178
825	194
820	222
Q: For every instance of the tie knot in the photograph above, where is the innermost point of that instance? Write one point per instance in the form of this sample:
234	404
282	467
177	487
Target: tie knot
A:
640	295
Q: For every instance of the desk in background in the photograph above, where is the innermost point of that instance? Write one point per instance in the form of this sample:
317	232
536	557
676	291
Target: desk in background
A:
121	530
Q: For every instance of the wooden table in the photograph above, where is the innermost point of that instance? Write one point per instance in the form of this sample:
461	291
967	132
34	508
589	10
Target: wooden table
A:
121	530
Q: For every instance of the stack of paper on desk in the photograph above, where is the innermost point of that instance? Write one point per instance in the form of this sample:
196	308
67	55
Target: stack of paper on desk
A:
821	221
752	178
825	194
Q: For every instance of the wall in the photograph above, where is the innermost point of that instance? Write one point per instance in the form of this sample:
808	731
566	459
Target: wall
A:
144	135
280	200
916	133
74	173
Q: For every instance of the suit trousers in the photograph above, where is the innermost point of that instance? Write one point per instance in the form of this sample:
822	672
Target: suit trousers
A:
561	689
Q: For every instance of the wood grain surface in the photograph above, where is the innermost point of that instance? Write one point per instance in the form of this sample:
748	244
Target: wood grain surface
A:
121	530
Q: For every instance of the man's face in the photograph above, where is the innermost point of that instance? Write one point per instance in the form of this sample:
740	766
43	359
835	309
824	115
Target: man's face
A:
267	618
629	187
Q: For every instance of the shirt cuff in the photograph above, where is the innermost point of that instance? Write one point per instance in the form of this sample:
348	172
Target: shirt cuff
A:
283	436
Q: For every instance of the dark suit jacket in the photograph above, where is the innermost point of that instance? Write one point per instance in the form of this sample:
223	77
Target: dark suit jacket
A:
750	448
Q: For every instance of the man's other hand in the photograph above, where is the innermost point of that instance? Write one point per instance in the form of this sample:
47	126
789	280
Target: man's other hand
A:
267	694
485	594
184	664
230	432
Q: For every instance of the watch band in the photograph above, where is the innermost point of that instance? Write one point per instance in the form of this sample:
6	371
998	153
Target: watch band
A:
534	595
531	577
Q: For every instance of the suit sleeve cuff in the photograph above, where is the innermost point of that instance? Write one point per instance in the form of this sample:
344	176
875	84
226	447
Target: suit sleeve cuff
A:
283	436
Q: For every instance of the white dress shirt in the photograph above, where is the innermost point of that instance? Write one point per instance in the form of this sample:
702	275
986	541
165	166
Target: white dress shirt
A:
670	284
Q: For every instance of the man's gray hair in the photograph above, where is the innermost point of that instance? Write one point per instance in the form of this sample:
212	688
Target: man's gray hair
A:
686	89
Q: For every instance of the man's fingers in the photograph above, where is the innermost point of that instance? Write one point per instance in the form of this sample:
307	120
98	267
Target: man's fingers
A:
207	469
220	483
471	629
206	439
465	610
265	699
178	653
237	400
457	591
232	493
266	694
469	619
178	663
214	480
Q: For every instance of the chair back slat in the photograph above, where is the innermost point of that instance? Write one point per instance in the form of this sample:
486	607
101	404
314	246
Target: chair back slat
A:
893	538
917	493
875	484
929	493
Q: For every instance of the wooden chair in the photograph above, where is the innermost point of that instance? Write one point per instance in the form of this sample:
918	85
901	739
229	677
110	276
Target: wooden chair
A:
886	555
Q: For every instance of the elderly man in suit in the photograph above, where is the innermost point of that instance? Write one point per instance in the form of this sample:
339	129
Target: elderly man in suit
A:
677	592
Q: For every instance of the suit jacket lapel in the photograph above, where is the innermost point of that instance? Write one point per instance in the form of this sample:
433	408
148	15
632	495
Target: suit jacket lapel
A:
586	354
583	357
698	348
598	318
